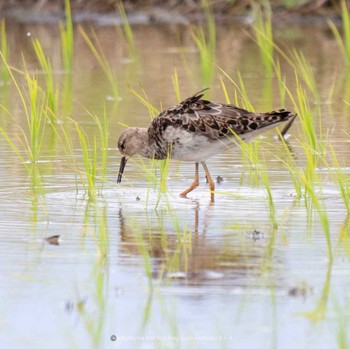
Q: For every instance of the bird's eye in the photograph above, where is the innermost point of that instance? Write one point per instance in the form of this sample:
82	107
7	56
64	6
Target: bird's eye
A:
122	146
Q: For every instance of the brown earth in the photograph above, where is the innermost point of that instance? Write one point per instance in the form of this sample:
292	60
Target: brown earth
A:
154	10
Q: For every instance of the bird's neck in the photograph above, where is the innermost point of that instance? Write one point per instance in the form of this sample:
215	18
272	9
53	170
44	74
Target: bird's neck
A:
149	148
145	147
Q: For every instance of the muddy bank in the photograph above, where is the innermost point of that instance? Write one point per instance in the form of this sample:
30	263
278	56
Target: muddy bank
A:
105	12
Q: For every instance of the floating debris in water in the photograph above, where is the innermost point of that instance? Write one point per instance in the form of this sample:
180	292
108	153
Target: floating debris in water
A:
78	306
176	275
219	179
69	306
110	98
53	240
301	290
256	235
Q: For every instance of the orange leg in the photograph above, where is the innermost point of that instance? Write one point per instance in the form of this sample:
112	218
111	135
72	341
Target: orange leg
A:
210	181
195	183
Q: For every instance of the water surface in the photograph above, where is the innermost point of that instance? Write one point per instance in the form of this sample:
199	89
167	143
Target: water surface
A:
151	268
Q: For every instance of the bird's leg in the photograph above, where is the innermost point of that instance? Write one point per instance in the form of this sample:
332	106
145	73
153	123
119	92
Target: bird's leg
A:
210	181
194	184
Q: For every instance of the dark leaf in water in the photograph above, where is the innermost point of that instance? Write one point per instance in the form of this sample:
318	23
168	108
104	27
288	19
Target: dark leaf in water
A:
53	240
219	179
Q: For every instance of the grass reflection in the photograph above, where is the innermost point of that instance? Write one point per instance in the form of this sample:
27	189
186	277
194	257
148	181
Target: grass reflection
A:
244	242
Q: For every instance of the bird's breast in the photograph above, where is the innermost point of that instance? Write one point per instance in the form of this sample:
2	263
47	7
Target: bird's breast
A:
192	146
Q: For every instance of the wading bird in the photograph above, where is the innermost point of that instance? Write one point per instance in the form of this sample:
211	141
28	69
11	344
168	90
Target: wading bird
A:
195	130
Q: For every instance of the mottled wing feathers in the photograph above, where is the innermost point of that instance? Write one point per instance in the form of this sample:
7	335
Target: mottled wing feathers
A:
242	121
213	120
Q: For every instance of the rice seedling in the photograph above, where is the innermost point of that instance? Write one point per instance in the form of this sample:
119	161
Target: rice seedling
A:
4	48
46	66
175	80
263	35
344	236
313	149
281	79
266	100
10	141
341	179
94	154
89	161
311	144
304	68
67	38
250	151
127	30
241	95
27	145
343	42
66	96
257	171
297	60
101	58
322	212
224	90
103	129
34	103
160	166
205	41
295	172
35	118
36	182
206	56
90	151
152	110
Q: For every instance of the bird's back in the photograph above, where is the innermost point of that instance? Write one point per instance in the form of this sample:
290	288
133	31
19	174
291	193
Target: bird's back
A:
194	122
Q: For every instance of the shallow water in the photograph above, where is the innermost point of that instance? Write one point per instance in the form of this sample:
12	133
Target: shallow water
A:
151	268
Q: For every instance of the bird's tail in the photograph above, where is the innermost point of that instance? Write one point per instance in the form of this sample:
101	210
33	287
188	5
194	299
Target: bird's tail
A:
280	115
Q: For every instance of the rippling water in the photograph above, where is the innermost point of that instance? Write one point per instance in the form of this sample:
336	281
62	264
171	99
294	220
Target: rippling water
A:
151	268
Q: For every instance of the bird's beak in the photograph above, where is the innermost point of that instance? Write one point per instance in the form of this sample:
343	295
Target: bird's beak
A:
123	162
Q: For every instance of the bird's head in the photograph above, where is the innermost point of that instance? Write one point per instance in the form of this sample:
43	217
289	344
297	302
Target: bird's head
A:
129	144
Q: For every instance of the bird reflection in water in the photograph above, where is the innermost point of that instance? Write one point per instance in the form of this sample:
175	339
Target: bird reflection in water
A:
196	256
